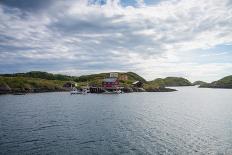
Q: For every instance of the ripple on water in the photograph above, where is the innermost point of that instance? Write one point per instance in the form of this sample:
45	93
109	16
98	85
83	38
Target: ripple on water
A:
184	122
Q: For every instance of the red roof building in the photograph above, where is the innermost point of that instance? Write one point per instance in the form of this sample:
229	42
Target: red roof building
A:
110	83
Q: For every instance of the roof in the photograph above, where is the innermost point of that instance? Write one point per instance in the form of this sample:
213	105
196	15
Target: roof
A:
110	80
136	82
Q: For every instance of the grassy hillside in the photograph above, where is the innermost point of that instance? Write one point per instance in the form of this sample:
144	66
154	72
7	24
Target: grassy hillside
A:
36	81
171	81
135	77
94	77
41	75
225	82
27	84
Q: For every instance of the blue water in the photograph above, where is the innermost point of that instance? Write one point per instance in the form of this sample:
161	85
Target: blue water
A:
189	121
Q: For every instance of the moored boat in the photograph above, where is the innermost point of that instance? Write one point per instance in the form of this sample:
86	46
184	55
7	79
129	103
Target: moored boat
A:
75	91
113	92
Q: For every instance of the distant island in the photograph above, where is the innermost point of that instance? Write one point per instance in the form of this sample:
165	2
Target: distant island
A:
172	82
199	83
225	82
37	81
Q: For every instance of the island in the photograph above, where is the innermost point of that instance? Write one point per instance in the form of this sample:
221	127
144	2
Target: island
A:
37	81
171	82
225	82
197	83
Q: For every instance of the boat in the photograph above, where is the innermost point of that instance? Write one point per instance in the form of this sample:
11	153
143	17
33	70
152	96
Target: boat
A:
75	91
19	93
112	92
85	90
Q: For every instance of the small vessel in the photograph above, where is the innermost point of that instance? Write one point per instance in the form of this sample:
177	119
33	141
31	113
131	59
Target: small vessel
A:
85	90
112	92
19	93
75	91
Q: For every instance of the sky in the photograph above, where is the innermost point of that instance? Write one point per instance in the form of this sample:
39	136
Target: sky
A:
154	38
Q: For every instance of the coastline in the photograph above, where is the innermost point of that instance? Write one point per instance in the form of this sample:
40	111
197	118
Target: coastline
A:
18	92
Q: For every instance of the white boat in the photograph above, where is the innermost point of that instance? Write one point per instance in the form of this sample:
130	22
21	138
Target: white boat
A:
112	92
76	92
86	90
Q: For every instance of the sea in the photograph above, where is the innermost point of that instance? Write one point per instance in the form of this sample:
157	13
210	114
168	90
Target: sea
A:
191	120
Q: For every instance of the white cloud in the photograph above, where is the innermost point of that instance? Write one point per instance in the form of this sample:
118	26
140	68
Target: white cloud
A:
79	37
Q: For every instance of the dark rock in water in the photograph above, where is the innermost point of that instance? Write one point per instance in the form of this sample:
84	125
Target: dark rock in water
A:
161	89
136	89
4	88
127	90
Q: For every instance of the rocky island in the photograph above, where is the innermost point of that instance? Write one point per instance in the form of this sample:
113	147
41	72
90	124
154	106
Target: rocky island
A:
171	82
36	81
225	82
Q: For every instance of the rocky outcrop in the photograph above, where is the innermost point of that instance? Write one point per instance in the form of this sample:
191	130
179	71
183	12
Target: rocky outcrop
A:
160	89
4	88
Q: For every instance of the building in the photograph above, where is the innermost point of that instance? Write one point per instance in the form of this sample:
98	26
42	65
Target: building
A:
70	85
113	75
137	84
123	77
110	83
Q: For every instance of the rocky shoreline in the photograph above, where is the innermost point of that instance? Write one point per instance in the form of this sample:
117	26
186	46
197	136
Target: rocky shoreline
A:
161	90
29	92
7	90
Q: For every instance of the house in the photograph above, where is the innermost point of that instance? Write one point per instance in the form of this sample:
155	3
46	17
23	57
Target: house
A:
110	83
137	84
113	75
70	85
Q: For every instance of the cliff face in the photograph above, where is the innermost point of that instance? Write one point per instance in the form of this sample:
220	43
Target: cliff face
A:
225	82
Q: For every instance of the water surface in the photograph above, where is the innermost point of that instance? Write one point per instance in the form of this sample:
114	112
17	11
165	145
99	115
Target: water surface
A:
189	121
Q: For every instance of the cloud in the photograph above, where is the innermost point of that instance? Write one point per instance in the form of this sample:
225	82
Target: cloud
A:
80	37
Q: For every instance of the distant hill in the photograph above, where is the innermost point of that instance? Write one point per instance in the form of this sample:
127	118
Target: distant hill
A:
171	81
43	81
41	75
93	77
84	78
225	82
199	83
28	84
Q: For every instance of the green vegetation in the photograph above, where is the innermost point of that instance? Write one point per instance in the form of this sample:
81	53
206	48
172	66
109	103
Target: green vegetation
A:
94	77
41	75
225	82
135	77
199	83
27	84
171	81
37	81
